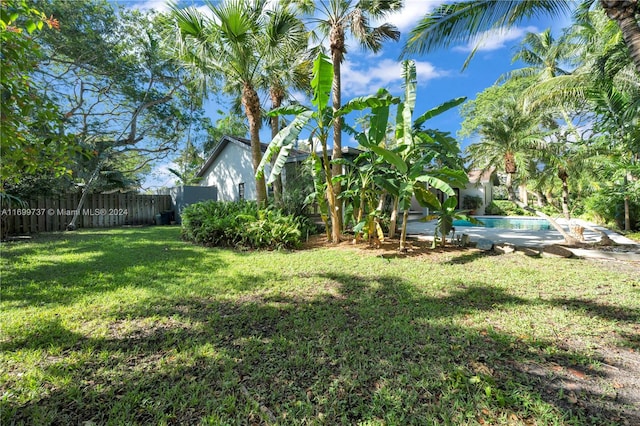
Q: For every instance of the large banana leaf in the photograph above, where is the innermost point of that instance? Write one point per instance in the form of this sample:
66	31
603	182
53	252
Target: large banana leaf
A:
410	87
322	82
380	99
436	183
454	177
437	111
378	122
426	198
287	110
282	144
390	157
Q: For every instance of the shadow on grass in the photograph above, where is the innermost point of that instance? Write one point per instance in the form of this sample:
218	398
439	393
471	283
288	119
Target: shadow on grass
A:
372	350
601	310
70	266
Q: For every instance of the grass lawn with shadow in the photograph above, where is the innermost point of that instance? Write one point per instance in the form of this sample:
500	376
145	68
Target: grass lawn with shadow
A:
135	326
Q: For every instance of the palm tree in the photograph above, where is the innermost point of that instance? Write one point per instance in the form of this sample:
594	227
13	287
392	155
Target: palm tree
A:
462	22
509	138
283	76
236	44
337	18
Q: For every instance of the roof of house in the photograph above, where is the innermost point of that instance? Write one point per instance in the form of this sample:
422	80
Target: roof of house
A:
479	176
241	142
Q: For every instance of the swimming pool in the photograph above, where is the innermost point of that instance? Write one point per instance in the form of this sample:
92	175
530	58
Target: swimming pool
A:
531	224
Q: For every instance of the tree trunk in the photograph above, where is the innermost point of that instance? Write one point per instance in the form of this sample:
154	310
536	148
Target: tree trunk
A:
357	235
624	13
524	195
331	194
251	103
539	198
276	101
85	191
394	218
511	195
567	237
627	212
336	38
564	177
403	233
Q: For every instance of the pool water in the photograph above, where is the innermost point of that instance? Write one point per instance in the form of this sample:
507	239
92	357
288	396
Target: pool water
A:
531	224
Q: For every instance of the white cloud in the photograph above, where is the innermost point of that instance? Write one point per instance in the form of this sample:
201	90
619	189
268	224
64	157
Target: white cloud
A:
157	5
411	13
358	79
495	39
163	6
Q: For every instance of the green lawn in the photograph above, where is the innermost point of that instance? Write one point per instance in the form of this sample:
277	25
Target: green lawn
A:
134	326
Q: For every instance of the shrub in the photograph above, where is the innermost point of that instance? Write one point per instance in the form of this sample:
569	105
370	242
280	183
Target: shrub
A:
242	225
471	202
505	208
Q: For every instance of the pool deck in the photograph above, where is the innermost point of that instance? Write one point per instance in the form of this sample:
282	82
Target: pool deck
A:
536	239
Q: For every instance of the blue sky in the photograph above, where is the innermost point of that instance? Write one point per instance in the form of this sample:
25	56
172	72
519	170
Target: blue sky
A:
440	75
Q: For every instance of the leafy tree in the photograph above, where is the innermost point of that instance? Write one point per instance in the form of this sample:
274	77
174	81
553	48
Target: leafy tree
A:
30	141
336	19
122	98
229	123
464	21
321	120
238	43
605	88
418	161
508	136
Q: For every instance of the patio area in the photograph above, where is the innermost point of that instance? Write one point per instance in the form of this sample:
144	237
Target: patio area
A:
626	249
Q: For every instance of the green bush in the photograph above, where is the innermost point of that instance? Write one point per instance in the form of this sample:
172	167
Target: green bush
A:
242	225
505	208
607	208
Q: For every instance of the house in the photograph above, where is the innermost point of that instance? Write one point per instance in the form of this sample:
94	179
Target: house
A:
230	170
481	184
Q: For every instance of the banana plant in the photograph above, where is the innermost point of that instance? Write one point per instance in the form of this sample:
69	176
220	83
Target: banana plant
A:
411	162
445	213
319	120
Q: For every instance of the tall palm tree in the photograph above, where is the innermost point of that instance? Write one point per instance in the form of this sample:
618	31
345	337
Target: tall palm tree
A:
508	141
337	18
235	45
463	21
544	55
607	87
282	77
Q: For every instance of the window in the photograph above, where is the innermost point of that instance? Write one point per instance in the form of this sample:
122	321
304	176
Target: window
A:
241	191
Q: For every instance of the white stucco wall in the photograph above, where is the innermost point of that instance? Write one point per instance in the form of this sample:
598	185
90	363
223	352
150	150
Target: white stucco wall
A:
483	191
232	167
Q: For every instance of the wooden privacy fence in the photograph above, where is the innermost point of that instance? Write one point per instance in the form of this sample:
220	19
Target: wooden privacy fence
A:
45	214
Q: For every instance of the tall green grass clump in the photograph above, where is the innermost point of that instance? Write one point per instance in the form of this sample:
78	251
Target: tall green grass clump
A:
243	225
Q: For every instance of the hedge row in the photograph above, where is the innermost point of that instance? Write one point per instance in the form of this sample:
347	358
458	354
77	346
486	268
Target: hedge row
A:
243	225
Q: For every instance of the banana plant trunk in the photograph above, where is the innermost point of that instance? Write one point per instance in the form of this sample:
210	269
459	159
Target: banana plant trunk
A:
276	101
358	235
403	233
393	225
